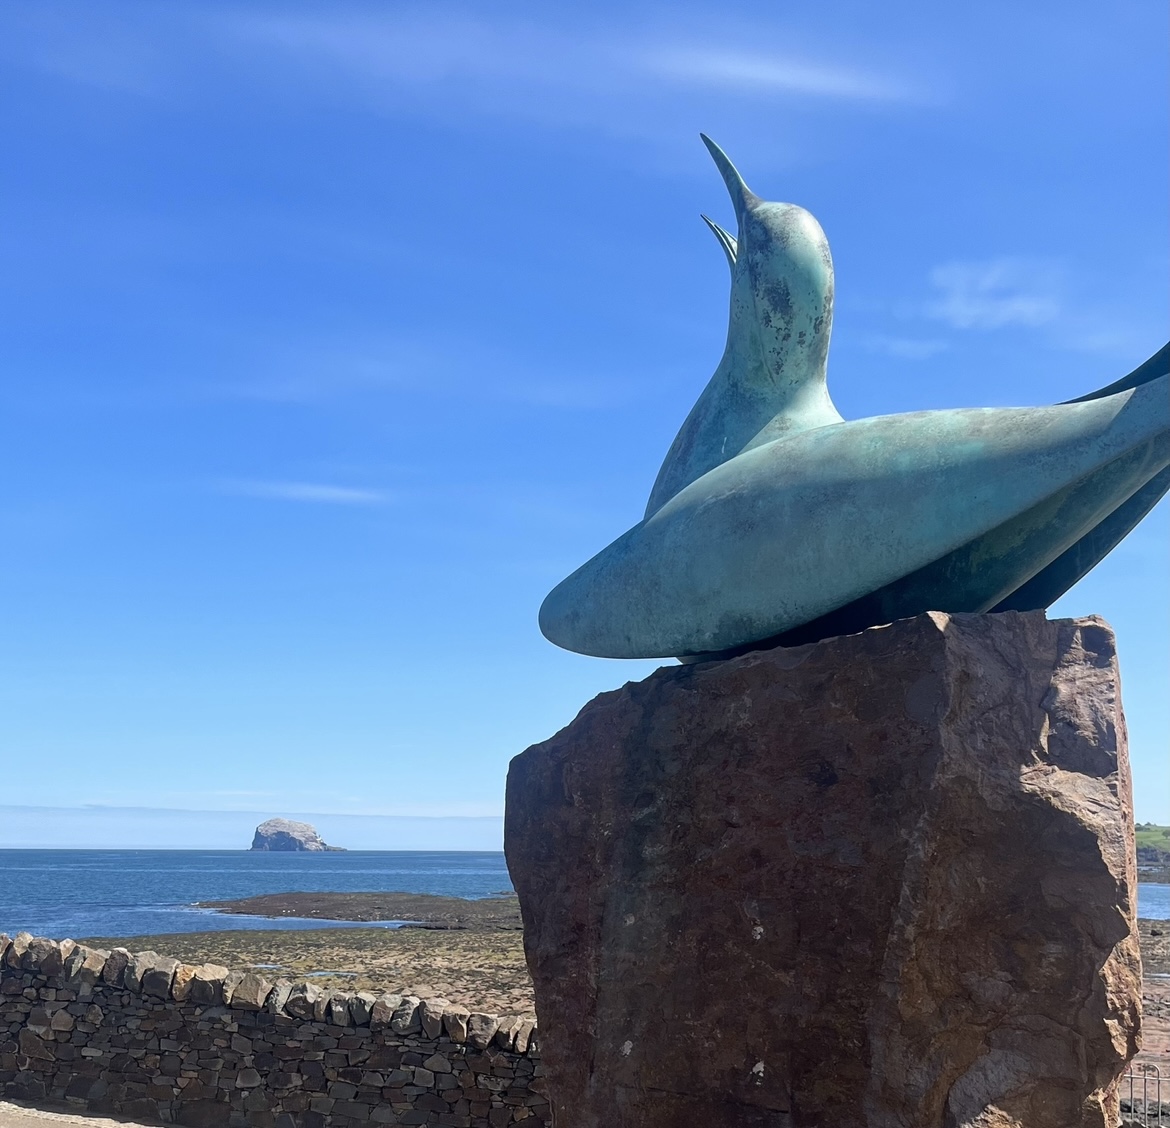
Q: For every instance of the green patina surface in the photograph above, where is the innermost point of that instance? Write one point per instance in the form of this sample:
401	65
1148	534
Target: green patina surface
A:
773	520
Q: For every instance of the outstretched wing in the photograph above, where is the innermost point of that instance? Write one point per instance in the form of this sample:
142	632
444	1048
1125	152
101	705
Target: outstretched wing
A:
889	516
1157	365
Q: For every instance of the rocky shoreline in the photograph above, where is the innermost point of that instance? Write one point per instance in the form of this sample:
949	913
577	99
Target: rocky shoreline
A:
482	970
1154	941
416	910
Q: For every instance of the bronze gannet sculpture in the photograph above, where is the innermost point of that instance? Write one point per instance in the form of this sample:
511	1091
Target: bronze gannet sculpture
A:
774	521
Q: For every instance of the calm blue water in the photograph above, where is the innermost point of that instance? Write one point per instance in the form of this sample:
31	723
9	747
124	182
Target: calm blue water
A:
1154	901
136	892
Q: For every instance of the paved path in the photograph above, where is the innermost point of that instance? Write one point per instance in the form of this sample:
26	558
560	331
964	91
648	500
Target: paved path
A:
22	1116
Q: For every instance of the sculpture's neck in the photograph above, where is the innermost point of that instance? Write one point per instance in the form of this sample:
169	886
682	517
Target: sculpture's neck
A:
770	382
778	342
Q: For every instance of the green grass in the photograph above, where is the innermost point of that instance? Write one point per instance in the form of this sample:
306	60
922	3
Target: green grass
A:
1150	835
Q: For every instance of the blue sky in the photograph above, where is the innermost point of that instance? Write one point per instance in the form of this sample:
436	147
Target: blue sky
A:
333	336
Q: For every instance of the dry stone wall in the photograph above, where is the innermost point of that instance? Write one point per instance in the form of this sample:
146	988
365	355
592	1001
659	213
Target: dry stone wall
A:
143	1035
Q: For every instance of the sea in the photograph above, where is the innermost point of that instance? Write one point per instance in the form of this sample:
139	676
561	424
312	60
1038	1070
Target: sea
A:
80	893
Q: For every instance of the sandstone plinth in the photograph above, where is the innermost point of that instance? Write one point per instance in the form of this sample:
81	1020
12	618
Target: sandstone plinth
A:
885	880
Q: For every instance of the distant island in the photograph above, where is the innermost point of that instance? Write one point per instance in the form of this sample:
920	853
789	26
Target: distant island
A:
284	834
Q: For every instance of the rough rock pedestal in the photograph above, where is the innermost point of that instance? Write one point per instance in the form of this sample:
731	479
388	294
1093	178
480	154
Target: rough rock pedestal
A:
884	880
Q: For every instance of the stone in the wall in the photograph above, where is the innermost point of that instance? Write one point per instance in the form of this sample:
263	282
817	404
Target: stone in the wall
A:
53	962
430	1016
251	993
278	997
302	999
36	1047
157	978
337	1009
136	967
405	1018
206	985
524	1034
83	968
481	1029
455	1023
181	984
360	1006
115	967
438	1063
509	1028
884	879
39	950
230	982
382	1012
17	947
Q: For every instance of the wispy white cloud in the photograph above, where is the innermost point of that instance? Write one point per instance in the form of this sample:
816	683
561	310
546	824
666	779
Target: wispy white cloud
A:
514	61
441	62
316	369
764	74
905	348
996	293
313	492
1041	294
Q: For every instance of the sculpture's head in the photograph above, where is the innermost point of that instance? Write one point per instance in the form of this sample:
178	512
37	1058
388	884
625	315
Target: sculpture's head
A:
781	280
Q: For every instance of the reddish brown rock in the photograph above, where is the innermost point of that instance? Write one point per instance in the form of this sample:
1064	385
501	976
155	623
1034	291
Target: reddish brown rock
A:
884	880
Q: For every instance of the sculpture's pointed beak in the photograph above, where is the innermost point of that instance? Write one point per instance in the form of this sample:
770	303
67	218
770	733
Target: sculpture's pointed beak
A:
742	197
726	241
